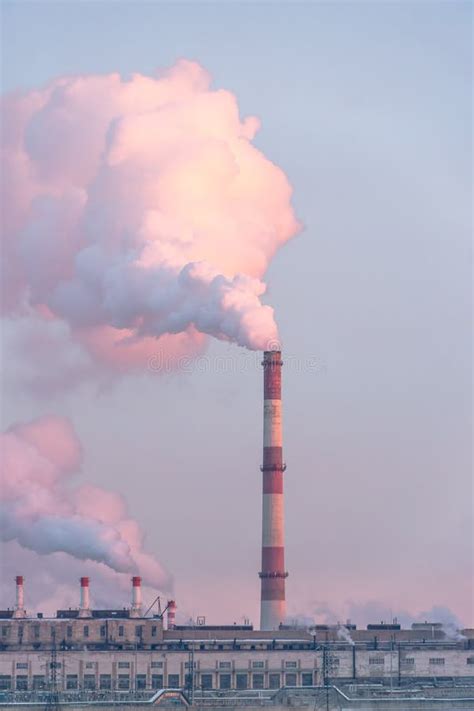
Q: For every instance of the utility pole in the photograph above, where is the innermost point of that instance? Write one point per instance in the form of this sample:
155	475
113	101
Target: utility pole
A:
328	667
190	675
52	702
326	673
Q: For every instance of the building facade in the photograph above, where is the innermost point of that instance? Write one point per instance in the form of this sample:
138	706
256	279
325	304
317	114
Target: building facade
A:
114	652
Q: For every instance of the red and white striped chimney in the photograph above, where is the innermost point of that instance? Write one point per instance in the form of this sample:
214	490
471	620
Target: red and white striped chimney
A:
85	603
171	614
136	609
272	600
19	610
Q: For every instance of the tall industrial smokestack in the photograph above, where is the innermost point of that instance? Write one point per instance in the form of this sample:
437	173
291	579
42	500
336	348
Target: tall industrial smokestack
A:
136	609
272	599
19	610
85	605
171	614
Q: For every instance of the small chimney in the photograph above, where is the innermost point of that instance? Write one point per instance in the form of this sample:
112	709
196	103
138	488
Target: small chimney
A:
171	614
85	605
136	609
19	610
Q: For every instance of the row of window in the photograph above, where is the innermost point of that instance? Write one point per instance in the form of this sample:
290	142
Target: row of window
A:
410	661
202	681
333	661
85	631
124	681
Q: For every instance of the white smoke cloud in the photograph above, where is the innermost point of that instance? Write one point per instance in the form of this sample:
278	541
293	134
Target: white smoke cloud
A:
138	210
344	634
42	511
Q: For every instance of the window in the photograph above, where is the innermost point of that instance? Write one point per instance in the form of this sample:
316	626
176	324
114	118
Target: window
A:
274	681
206	681
224	665
437	661
376	660
153	631
20	630
141	681
5	682
38	682
36	631
257	681
105	681
470	660
173	680
139	631
291	665
124	665
68	631
89	681
258	665
22	665
187	665
90	665
123	682
334	661
120	630
409	661
157	681
102	630
241	681
157	665
21	682
224	681
307	679
52	632
86	630
71	681
5	630
290	679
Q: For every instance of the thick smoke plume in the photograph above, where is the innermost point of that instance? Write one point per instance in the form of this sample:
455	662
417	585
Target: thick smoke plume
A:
140	209
42	511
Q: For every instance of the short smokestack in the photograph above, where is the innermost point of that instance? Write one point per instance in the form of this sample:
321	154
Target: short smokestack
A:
19	610
85	605
136	609
272	574
171	614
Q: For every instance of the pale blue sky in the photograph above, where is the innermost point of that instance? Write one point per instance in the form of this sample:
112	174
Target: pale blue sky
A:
367	108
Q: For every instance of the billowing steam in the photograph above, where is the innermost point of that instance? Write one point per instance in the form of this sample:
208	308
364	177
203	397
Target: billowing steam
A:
42	512
344	634
140	209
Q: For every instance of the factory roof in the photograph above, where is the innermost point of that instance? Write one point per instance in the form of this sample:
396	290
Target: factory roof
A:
102	614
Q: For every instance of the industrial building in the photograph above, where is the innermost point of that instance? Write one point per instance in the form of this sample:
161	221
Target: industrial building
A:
121	650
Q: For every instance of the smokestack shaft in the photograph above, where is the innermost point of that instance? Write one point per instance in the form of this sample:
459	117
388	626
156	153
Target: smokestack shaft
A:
20	598
85	599
19	610
273	604
136	594
171	614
